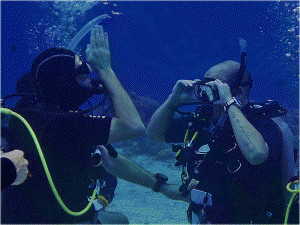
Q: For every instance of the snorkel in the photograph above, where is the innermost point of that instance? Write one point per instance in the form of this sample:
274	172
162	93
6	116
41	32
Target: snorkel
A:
243	45
241	72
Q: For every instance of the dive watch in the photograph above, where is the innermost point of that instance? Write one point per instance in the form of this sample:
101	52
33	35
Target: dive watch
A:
160	180
231	101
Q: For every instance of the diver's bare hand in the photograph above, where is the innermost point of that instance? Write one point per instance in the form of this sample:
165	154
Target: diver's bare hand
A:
183	91
97	52
106	159
171	191
223	88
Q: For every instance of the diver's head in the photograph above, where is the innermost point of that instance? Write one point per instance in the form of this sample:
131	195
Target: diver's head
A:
228	72
61	78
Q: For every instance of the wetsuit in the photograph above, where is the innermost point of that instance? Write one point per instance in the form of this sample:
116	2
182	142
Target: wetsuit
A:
66	142
253	193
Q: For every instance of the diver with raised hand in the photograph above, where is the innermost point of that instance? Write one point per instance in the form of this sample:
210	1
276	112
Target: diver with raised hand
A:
233	153
59	84
75	145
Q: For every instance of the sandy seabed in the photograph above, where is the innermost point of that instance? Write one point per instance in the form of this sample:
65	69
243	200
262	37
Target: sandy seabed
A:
142	205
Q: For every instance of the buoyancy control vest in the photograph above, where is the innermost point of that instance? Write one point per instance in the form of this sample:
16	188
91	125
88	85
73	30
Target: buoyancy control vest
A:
219	162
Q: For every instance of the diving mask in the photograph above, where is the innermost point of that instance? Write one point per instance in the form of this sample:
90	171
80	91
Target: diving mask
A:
206	93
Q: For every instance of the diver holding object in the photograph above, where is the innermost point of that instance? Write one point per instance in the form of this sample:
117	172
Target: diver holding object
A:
215	156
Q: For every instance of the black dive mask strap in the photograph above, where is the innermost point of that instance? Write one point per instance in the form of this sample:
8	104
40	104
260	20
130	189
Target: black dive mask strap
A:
247	83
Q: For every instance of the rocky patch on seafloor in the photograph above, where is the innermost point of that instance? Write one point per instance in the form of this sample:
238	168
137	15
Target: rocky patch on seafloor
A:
144	146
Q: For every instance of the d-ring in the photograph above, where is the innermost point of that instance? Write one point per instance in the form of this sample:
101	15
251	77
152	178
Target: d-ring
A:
236	169
232	148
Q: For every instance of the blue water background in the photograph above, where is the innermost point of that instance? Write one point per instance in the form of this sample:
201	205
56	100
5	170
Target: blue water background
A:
154	44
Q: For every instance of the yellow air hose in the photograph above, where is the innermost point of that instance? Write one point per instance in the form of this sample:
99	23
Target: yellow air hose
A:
10	112
295	192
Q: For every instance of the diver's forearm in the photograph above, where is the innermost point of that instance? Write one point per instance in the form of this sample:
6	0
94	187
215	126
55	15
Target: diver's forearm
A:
125	169
160	121
123	105
250	141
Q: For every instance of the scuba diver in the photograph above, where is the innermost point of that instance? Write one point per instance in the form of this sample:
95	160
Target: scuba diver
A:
74	159
236	158
56	86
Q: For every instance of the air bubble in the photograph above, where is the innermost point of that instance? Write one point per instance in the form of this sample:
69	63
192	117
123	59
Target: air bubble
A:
61	25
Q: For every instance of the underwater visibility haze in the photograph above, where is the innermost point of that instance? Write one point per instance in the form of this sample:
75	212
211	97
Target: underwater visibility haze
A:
154	44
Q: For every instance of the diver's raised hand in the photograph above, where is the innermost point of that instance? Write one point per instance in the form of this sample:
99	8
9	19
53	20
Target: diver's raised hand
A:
223	89
97	52
183	91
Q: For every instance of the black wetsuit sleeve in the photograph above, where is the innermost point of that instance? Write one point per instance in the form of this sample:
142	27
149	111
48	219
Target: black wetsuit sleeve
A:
176	131
8	172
